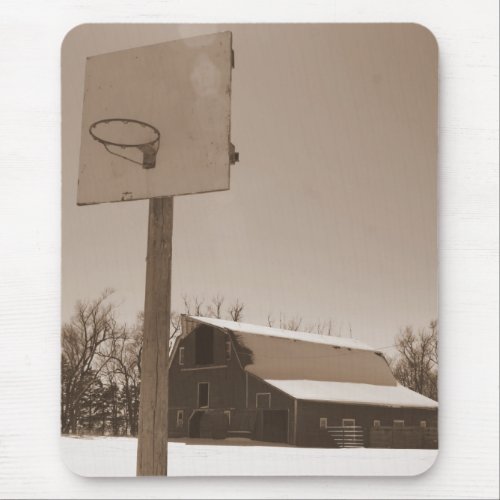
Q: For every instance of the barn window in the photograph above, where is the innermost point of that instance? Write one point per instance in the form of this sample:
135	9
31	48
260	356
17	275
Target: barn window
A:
180	418
228	349
227	413
398	424
204	345
203	394
263	400
376	424
181	355
323	423
423	424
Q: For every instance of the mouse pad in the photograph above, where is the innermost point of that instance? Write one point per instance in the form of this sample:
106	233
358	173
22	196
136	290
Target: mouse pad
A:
249	250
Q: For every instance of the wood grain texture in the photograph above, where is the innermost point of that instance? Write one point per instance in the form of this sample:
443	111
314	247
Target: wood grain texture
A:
467	33
153	408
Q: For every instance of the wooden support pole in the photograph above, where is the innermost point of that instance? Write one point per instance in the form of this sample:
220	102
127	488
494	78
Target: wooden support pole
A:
153	408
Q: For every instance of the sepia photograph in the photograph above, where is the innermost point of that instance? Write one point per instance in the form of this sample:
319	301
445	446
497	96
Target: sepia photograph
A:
249	250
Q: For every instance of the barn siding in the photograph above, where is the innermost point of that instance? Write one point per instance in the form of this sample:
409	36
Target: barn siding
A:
309	413
226	380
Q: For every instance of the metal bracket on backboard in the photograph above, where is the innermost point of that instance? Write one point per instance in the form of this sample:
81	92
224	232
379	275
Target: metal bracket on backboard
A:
233	155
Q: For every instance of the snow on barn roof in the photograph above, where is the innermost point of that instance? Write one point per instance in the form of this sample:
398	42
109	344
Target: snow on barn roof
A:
281	333
275	354
353	393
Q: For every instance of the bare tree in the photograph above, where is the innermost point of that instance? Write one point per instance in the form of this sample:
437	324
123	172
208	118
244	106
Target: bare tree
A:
87	343
416	365
270	320
325	327
215	308
175	329
296	323
433	327
198	306
293	324
194	306
175	323
187	305
137	333
125	362
236	310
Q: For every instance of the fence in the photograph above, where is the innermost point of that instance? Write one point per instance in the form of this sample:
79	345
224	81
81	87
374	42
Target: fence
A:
351	436
403	437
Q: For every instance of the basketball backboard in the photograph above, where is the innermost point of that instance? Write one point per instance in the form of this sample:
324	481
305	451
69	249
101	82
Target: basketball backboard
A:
156	121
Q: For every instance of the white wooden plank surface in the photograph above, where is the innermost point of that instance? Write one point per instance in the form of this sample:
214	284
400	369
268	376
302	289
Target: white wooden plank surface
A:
31	33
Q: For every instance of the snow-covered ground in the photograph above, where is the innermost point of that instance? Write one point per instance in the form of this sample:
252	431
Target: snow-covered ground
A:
111	456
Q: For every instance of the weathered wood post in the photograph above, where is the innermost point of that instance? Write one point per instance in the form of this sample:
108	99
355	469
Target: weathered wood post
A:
153	408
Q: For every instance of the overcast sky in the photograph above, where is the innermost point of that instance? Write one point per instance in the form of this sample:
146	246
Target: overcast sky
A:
332	208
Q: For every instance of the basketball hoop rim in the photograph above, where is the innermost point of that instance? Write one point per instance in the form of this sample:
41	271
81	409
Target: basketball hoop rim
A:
127	120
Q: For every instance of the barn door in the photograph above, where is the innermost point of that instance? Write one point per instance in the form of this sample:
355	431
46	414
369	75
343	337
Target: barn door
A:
194	424
275	426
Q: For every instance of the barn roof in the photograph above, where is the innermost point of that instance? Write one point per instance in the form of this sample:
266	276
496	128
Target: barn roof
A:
284	334
309	366
351	393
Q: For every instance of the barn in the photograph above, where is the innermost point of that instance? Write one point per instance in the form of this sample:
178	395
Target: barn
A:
230	379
